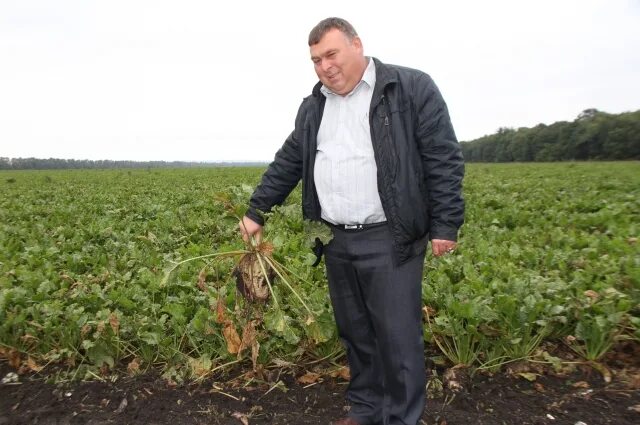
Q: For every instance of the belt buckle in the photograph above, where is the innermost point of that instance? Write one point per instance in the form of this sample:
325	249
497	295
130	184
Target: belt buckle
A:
352	226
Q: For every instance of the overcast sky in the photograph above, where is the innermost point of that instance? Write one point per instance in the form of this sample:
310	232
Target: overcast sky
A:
219	81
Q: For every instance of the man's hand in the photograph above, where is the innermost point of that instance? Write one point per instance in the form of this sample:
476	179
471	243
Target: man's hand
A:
250	228
440	247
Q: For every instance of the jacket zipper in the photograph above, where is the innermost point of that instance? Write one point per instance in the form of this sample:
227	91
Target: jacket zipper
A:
316	201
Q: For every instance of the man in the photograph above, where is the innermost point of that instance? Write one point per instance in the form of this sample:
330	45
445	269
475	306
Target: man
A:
380	163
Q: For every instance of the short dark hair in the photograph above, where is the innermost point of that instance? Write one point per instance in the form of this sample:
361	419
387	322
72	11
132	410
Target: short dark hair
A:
328	24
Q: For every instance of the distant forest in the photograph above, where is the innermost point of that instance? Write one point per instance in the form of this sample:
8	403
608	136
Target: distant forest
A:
61	164
593	135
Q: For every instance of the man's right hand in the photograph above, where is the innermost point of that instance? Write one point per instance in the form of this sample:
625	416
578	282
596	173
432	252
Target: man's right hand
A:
250	228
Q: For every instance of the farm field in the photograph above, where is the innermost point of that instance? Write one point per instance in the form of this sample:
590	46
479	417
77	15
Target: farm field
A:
547	273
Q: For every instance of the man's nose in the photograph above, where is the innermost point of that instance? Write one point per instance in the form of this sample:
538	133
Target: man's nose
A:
325	65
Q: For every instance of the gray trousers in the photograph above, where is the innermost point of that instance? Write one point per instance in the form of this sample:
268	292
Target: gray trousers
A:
377	307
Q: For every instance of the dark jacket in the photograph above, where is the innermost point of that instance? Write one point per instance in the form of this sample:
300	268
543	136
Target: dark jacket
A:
418	159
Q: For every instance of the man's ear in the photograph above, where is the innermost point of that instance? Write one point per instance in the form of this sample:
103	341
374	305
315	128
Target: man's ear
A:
357	43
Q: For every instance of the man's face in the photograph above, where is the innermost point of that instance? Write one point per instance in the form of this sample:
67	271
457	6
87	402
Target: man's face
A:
338	62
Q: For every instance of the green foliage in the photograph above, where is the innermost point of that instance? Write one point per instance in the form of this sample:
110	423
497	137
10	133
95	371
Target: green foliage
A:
599	322
83	255
315	229
538	238
592	135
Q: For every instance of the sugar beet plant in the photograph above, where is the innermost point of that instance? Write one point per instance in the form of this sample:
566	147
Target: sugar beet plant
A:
255	271
547	252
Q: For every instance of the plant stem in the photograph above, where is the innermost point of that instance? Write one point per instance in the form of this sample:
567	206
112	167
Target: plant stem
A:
273	263
266	277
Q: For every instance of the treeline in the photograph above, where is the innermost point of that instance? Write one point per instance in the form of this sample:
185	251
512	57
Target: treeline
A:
593	135
60	164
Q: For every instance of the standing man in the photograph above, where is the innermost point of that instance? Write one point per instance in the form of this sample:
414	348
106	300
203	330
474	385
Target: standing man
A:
379	161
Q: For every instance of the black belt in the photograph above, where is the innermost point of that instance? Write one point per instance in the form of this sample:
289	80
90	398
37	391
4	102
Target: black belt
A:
318	249
356	227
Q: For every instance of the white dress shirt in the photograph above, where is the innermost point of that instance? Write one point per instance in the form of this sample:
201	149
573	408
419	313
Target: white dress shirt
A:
345	170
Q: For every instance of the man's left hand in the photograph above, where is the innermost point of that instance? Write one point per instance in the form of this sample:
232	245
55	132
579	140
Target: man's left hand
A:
440	247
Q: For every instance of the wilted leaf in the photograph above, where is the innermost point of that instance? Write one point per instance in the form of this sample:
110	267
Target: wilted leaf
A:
134	366
232	338
32	365
114	323
84	331
200	366
202	276
13	356
248	336
528	376
580	384
309	378
342	373
592	294
28	339
220	311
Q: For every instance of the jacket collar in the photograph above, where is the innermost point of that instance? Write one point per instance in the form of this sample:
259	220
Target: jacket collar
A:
384	76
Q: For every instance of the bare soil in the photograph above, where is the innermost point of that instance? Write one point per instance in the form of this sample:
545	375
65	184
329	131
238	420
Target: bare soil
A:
506	398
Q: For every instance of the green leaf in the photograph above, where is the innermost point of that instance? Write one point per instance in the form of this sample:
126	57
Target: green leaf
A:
322	328
151	338
176	311
279	323
316	229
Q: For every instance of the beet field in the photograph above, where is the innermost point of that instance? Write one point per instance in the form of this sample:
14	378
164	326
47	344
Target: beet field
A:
128	296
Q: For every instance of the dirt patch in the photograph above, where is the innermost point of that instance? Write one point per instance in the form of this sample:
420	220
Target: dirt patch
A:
148	399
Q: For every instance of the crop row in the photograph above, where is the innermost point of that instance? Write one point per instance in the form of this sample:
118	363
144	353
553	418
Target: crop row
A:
547	252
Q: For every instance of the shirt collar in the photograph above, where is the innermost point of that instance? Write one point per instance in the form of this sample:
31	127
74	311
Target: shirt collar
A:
368	78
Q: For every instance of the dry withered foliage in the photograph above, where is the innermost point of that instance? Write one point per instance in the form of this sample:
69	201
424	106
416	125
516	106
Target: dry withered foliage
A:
342	373
202	276
134	366
84	331
248	336
114	323
29	340
309	378
12	355
231	336
32	365
235	344
220	311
